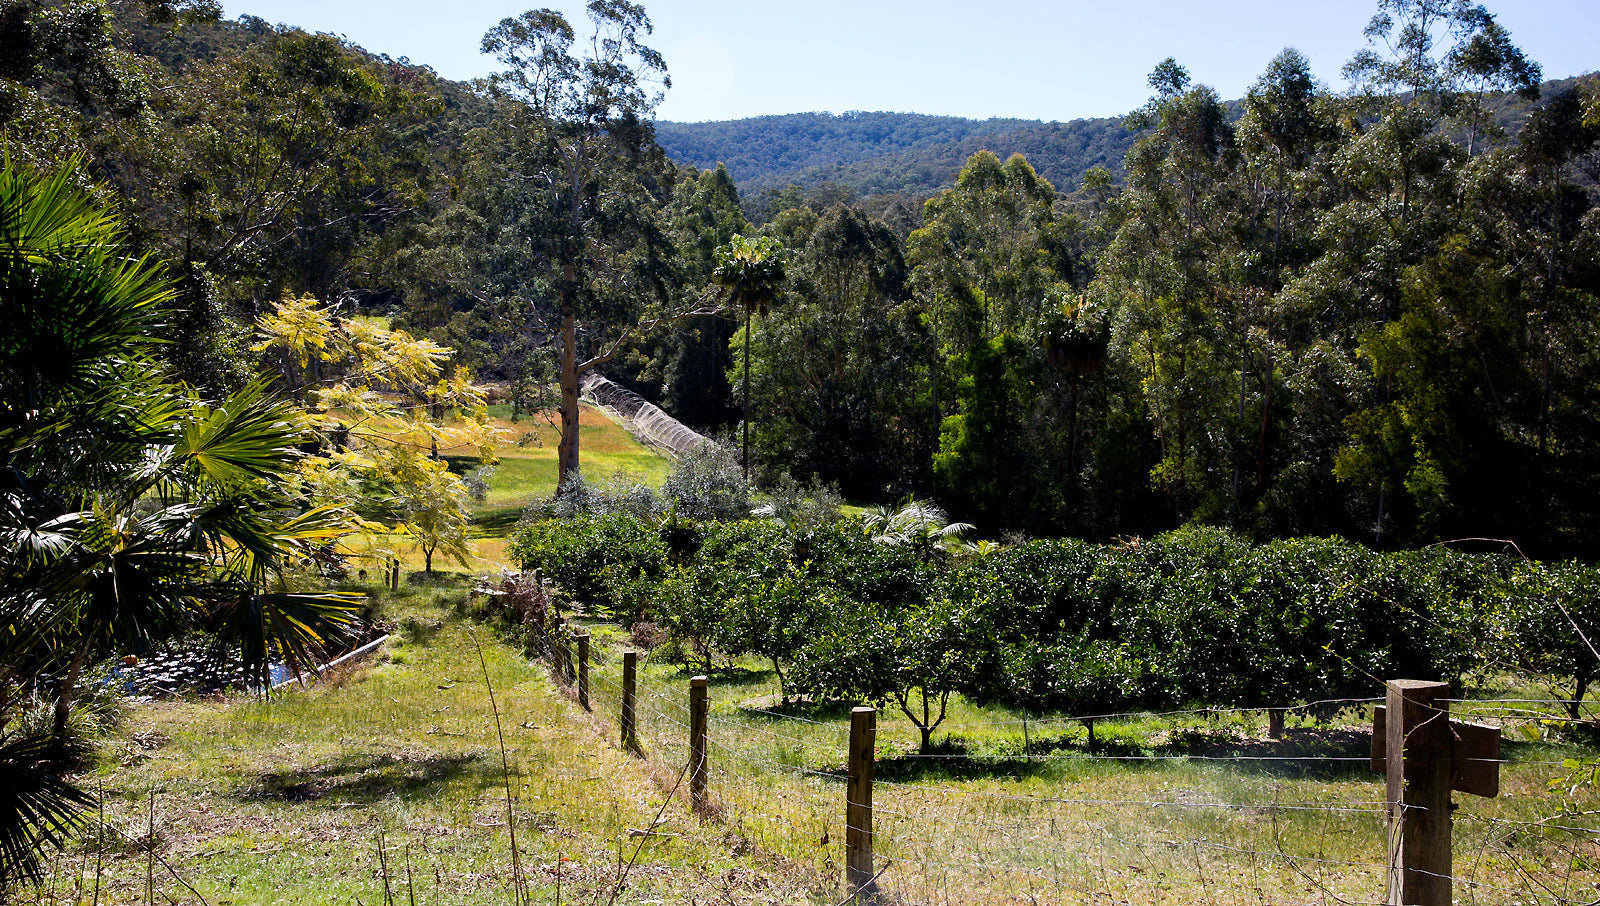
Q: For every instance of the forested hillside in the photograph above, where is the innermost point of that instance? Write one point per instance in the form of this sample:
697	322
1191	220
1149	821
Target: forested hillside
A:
886	153
1366	313
914	154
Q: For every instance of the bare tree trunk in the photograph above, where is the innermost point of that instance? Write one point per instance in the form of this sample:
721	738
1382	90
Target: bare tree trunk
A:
68	690
747	395
567	452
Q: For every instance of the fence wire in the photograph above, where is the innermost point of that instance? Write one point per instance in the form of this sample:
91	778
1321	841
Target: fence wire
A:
1015	836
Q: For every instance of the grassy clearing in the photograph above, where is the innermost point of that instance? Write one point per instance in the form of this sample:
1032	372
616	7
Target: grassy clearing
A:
1145	816
284	802
526	472
527	467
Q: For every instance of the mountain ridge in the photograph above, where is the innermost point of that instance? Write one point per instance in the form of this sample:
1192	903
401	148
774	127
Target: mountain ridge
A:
884	152
893	153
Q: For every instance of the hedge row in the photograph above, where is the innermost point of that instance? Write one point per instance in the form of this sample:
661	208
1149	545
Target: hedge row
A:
1193	617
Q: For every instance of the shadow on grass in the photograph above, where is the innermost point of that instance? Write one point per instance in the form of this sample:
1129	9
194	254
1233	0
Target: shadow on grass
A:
496	523
369	777
419	631
823	711
1311	753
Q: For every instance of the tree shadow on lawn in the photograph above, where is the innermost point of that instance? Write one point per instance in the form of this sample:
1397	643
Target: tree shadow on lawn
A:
369	777
1308	753
820	711
496	523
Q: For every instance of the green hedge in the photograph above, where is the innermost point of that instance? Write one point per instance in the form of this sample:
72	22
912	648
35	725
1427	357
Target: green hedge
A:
1192	617
610	564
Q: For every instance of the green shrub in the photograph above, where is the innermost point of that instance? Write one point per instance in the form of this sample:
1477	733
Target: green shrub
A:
608	564
1197	617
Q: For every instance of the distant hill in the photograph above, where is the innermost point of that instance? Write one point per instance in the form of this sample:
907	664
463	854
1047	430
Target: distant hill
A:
915	154
888	153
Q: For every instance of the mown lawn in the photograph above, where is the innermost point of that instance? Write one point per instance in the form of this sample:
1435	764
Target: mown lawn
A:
525	472
527	467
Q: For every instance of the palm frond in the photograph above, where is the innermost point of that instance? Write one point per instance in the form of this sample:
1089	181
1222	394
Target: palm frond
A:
70	295
294	628
39	808
251	436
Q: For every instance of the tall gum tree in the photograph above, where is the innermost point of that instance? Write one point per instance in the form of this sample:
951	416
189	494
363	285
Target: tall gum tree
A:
580	185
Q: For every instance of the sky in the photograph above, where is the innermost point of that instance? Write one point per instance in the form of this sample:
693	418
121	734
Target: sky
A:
1031	59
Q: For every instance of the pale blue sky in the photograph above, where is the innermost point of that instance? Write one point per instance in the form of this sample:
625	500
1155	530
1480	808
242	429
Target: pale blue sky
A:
1027	58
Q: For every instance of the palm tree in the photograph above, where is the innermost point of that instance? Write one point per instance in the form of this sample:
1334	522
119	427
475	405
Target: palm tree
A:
129	509
923	526
39	808
751	272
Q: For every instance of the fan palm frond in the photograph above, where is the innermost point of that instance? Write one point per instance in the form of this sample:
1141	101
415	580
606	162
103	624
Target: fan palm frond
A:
250	436
39	808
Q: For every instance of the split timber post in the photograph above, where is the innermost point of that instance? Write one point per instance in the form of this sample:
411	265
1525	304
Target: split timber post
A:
583	671
1425	755
630	671
858	873
697	744
1275	722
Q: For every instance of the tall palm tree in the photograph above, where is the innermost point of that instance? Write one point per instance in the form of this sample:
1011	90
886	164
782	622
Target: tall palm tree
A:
129	509
751	272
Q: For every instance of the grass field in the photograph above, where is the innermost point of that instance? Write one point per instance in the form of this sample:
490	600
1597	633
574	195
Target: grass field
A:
1201	809
527	467
525	472
285	802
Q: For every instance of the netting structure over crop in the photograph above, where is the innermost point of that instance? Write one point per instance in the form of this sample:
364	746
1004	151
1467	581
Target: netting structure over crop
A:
642	418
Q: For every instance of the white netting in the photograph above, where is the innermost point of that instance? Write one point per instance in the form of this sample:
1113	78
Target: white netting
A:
642	418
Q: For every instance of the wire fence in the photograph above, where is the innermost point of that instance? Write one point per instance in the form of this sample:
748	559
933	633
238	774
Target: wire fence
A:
977	827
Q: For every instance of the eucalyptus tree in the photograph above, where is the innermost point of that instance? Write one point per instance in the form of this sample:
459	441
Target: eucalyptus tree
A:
845	368
574	184
1401	179
750	271
276	167
1166	272
989	256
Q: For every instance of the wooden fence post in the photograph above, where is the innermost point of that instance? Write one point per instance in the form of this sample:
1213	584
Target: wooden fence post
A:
630	668
1275	723
858	873
697	743
1417	764
583	671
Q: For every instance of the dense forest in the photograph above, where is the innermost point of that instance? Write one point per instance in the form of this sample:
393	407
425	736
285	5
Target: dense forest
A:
889	153
907	154
1368	313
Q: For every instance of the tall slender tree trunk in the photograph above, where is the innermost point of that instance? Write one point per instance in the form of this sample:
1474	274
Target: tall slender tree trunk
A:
747	408
567	451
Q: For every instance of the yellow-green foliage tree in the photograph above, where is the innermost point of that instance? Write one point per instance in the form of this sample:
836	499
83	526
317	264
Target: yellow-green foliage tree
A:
381	403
